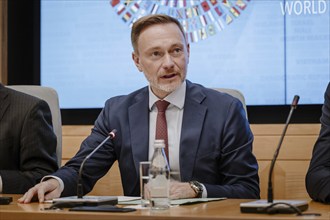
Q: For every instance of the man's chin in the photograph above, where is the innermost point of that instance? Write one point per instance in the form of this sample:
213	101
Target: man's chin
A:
169	87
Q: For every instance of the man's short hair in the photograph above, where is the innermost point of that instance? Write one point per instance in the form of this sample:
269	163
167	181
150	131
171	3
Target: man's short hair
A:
149	20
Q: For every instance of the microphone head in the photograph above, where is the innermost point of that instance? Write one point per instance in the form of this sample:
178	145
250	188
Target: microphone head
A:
295	101
112	134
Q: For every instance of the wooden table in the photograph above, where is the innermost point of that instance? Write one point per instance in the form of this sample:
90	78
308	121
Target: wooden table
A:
226	209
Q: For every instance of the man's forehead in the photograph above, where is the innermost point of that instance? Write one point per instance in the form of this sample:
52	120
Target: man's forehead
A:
170	28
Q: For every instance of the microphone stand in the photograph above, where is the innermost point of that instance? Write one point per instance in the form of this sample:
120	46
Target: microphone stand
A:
80	185
280	206
270	185
73	201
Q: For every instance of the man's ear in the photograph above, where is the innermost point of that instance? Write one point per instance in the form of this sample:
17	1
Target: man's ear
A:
188	51
136	60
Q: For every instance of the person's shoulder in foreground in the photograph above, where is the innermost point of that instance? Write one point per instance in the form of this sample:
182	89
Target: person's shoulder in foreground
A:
27	141
318	175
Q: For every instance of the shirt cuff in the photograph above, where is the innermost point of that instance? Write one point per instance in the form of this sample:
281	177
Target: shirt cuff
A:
204	194
60	181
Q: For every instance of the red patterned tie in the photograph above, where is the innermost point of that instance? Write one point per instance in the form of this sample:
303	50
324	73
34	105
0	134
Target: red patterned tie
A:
161	125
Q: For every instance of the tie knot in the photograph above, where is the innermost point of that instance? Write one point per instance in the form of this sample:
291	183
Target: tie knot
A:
162	105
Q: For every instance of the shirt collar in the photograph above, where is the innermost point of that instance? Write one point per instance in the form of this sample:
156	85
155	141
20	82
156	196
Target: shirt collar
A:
176	98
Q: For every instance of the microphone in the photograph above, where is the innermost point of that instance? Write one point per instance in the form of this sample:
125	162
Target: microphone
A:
278	206
80	193
270	185
80	200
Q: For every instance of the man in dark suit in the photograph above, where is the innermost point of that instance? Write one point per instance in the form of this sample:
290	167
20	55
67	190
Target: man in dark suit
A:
318	175
210	141
27	141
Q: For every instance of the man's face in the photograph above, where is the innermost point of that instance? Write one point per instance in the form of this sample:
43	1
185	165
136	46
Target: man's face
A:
162	55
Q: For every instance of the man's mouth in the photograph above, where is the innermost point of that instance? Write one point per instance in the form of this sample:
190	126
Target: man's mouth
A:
168	76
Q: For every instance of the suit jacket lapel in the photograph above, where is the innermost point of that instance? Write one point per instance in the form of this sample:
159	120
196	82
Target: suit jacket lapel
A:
138	117
4	101
192	124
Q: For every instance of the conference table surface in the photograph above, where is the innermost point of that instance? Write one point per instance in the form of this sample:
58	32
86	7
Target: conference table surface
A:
225	209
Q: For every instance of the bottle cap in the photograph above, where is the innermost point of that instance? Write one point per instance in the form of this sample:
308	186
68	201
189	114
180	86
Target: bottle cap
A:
159	143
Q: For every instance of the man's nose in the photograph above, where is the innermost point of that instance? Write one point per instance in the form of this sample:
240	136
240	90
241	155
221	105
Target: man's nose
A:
168	61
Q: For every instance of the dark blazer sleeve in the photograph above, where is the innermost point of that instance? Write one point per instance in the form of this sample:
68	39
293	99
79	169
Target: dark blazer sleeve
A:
29	147
237	166
216	145
129	116
96	166
318	175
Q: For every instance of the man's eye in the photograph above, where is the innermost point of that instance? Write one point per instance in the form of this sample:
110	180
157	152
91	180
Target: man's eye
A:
155	53
177	50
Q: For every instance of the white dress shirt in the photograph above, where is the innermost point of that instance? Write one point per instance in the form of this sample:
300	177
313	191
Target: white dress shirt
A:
174	114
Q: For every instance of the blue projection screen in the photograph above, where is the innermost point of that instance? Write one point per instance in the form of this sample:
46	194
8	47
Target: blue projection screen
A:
270	50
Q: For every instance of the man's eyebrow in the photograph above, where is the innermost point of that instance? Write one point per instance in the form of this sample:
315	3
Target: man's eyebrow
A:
177	45
153	48
160	48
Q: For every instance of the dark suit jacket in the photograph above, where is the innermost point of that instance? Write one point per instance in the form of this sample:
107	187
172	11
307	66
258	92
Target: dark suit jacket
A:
318	175
215	145
27	141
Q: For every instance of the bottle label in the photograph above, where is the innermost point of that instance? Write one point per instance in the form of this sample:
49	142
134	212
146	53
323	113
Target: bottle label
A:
159	186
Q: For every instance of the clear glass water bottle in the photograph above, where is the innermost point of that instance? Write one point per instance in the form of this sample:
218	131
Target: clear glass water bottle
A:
159	173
